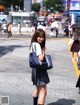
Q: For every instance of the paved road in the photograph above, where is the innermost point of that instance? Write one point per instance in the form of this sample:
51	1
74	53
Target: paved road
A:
15	74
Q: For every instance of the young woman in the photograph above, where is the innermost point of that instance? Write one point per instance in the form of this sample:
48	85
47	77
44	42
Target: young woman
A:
39	76
75	45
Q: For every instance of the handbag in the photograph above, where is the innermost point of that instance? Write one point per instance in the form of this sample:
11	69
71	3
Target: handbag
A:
71	41
34	62
49	62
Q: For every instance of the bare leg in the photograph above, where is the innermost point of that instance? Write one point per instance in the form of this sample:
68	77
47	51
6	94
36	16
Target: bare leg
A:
42	95
35	95
72	56
77	56
36	92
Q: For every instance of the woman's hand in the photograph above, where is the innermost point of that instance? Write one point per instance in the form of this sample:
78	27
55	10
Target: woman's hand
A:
41	56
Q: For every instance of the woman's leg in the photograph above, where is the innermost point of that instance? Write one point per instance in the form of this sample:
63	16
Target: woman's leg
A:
10	33
36	92
77	56
35	95
73	56
42	95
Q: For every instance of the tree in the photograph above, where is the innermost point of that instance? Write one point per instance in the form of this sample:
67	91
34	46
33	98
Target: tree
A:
8	3
36	7
2	2
55	4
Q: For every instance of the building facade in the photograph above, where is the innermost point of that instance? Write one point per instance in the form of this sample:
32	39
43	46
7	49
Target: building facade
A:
74	4
74	11
27	5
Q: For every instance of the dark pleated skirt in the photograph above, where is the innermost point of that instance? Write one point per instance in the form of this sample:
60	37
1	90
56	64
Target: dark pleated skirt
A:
75	46
40	77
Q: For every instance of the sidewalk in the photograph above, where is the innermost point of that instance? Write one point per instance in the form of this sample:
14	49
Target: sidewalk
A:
15	73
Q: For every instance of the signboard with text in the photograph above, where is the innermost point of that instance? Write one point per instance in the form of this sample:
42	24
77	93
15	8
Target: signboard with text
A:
74	4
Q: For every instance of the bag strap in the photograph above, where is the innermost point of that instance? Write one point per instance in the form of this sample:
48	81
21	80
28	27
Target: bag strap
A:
34	49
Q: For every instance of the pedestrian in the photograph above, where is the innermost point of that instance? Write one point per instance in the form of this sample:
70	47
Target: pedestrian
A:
63	22
66	30
56	30
9	29
78	62
70	30
54	27
51	32
75	46
40	76
19	28
27	28
1	29
32	29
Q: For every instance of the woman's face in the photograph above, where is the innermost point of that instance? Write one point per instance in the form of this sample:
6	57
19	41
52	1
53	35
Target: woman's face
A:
40	39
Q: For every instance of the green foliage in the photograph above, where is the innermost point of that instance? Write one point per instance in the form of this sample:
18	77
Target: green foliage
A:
10	2
2	2
36	7
56	4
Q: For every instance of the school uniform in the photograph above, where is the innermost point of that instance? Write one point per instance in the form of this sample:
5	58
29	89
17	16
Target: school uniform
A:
39	76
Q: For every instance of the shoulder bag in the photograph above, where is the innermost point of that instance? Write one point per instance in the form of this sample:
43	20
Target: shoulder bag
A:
34	62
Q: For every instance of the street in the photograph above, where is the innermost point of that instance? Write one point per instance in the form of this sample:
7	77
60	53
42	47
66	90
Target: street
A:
18	21
15	73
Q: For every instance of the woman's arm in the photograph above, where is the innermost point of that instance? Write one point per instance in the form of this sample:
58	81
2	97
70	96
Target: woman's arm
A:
41	56
40	52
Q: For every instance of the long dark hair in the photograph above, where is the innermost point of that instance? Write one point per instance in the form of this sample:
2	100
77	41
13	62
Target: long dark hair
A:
39	33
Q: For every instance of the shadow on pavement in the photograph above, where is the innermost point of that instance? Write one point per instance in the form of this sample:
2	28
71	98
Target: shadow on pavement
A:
63	102
7	49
